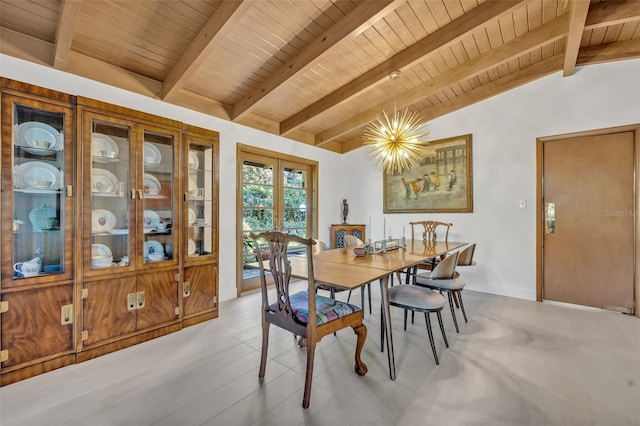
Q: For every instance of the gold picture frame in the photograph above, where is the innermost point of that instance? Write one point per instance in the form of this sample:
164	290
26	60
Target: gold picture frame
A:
441	183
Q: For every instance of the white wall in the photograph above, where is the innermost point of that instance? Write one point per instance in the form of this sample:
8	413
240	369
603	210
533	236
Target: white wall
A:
504	130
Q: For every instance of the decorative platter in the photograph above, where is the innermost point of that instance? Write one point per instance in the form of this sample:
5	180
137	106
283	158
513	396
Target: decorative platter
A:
151	184
103	147
193	160
38	175
103	220
152	246
103	181
100	250
151	219
191	247
152	154
37	138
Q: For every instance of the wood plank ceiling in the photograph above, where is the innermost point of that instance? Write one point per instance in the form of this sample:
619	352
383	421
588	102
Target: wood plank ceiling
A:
318	71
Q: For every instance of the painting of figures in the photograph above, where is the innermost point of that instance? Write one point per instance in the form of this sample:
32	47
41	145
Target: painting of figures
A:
441	182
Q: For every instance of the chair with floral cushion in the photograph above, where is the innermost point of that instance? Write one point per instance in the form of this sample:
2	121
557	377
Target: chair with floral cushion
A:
304	313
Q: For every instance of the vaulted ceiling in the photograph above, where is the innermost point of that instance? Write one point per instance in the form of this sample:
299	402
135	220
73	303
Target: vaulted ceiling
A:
318	71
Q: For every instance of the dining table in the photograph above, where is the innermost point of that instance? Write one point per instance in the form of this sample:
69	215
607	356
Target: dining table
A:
341	268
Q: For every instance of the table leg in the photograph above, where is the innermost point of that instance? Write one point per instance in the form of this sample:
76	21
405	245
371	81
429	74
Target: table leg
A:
386	319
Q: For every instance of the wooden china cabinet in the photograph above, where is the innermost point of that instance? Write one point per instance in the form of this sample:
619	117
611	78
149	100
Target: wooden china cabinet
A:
109	228
339	231
130	226
37	312
200	213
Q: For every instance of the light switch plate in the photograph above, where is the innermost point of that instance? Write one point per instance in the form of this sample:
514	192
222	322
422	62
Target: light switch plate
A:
522	204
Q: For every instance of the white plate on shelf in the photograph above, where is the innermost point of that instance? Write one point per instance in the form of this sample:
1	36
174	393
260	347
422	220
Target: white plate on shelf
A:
152	246
193	160
103	181
151	154
39	136
193	186
191	247
192	216
103	220
151	184
150	219
104	147
98	250
37	175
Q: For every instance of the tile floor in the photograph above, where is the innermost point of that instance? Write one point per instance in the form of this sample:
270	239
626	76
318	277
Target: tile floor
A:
516	362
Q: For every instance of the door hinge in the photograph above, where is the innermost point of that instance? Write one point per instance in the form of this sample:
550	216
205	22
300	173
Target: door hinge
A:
4	306
215	300
69	191
177	277
4	355
186	289
66	314
85	335
177	311
215	269
85	293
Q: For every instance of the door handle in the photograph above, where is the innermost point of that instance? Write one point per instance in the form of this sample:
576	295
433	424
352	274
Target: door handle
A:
549	218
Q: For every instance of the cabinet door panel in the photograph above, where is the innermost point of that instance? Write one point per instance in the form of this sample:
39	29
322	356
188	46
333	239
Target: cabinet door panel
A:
105	310
202	284
160	298
31	327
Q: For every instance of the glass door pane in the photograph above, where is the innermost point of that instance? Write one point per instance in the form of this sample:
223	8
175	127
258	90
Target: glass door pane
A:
157	197
110	195
39	192
200	196
258	214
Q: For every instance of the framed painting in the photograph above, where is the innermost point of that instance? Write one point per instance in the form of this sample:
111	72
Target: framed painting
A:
440	183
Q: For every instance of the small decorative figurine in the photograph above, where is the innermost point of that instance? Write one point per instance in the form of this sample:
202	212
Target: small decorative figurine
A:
345	211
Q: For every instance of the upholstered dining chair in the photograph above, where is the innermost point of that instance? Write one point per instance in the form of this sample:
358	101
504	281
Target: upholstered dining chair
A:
443	279
418	299
304	313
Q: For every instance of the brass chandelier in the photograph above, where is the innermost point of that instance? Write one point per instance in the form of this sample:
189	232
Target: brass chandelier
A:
395	142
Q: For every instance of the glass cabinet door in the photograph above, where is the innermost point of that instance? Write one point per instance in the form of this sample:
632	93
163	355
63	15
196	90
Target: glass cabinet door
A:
111	195
40	201
201	214
157	197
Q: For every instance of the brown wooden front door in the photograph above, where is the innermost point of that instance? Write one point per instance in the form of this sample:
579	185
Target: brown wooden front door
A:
588	242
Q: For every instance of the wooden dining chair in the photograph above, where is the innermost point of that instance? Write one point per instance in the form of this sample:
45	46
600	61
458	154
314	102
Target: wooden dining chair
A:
304	313
428	230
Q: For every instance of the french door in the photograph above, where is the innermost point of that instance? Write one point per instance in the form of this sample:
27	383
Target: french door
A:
276	192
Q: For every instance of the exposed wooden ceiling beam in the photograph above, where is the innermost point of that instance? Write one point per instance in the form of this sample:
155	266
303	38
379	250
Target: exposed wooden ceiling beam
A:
348	27
544	34
612	13
448	34
224	18
64	33
501	85
619	51
577	18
